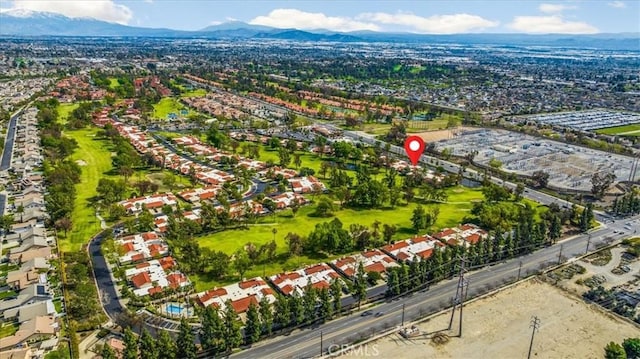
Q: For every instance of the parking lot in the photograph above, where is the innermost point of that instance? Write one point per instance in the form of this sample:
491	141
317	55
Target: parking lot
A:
568	166
586	120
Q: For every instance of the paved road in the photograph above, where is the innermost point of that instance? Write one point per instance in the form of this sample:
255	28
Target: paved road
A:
5	161
106	286
306	343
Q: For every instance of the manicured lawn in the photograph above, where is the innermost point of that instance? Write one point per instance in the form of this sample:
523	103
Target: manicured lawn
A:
375	128
97	162
64	110
194	93
58	305
4	268
260	233
8	329
7	294
620	130
166	106
113	83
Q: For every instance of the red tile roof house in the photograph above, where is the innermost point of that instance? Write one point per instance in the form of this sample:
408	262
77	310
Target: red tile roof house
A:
294	283
142	246
154	276
153	202
240	295
466	234
372	261
409	249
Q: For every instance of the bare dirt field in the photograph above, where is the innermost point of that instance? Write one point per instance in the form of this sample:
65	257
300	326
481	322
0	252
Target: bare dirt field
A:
433	136
499	327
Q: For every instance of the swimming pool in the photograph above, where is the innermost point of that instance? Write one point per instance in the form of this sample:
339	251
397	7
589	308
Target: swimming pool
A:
174	309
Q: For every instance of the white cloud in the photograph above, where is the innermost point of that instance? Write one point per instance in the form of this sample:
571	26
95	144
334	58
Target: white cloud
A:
618	4
554	8
293	18
436	24
553	24
105	10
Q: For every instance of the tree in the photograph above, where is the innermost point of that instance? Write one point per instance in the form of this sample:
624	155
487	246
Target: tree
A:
614	351
388	231
600	183
7	220
216	138
107	352
324	208
495	163
294	243
284	156
297	309
586	217
336	294
282	312
211	332
130	345
166	346
186	346
169	180
309	302
540	179
241	262
393	283
125	172
419	218
147	345
252	328
64	224
266	316
326	307
231	334
632	347
360	285
297	161
518	192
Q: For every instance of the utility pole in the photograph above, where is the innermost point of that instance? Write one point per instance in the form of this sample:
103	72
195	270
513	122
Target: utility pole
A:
519	269
321	343
588	242
535	325
402	316
459	298
465	289
560	254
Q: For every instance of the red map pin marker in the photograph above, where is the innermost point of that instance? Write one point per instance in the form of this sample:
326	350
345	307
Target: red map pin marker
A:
414	146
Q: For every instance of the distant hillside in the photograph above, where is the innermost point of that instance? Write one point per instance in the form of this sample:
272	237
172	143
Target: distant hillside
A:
32	23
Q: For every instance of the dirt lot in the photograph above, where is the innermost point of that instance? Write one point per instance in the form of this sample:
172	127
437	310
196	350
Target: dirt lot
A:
433	136
498	327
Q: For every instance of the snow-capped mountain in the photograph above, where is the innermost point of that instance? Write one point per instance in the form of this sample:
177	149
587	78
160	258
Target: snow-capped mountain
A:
21	22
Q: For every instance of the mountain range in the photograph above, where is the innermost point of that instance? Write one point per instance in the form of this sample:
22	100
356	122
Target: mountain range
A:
23	23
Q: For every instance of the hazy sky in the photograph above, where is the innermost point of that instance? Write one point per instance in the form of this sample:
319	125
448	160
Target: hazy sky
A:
420	16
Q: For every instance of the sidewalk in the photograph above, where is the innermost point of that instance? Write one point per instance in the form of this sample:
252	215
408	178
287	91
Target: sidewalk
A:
88	343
